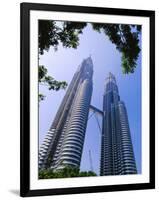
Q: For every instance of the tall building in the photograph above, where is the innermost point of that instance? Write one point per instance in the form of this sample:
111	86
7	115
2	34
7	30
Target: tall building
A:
117	156
63	143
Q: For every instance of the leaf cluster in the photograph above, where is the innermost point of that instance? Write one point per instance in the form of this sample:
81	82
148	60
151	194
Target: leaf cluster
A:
50	82
52	33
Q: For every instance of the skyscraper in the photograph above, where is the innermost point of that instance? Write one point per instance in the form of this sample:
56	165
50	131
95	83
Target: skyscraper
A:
117	156
63	143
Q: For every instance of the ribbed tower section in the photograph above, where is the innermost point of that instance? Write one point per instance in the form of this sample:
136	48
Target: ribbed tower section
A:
63	144
117	156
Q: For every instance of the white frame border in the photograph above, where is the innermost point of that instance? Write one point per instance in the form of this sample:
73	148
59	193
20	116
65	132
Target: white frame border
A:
86	181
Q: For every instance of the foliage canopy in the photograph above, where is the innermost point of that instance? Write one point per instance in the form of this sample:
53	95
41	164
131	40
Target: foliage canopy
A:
53	33
66	172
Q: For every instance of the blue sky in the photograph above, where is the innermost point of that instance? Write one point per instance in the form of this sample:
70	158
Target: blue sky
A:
63	63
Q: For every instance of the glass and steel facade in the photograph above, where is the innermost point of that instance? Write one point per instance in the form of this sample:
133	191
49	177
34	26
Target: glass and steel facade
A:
63	143
117	156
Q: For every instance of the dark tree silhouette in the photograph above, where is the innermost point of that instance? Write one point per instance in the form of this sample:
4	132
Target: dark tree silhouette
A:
51	34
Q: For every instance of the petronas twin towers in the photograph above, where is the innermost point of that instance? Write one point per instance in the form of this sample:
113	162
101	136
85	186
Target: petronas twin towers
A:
64	141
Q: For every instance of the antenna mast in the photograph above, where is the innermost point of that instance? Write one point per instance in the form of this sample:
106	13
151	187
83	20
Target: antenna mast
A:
90	159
